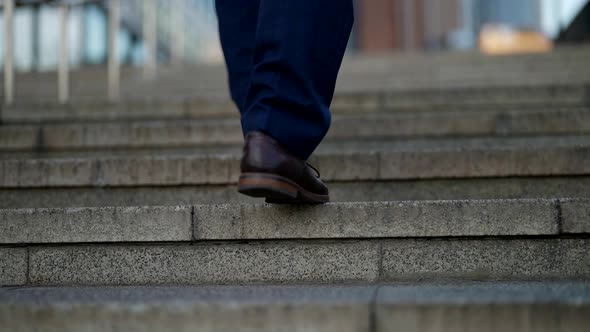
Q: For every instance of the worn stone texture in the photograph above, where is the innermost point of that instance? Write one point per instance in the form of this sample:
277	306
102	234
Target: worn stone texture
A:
141	134
556	122
204	263
169	170
211	308
483	306
512	317
405	161
485	259
357	191
484	163
45	172
187	318
415	307
79	225
16	137
121	196
349	166
575	214
13	266
226	130
374	220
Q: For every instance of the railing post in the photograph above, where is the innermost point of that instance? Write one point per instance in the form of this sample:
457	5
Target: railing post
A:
149	38
114	68
468	20
409	25
35	36
8	52
63	71
177	31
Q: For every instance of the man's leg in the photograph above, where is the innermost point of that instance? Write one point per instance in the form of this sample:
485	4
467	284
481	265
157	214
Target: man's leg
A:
298	50
283	57
238	20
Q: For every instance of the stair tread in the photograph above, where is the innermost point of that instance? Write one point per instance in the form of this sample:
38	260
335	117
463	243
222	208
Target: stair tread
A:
358	220
338	161
416	293
197	132
508	307
357	191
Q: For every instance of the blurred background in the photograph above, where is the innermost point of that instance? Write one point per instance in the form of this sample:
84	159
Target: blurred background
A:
90	49
186	29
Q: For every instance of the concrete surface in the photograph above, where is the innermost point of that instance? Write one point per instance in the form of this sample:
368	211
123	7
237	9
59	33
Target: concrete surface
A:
420	307
192	132
339	161
375	220
575	215
414	219
481	259
13	266
357	191
207	263
311	261
72	225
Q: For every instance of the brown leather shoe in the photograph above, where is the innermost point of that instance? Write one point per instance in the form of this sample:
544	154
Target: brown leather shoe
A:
269	171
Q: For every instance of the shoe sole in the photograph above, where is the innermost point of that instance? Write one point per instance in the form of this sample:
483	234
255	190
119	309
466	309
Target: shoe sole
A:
277	189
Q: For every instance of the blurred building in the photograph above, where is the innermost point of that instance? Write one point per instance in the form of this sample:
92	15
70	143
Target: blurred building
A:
383	25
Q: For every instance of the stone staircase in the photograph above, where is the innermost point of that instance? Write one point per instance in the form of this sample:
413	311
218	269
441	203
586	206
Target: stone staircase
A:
461	188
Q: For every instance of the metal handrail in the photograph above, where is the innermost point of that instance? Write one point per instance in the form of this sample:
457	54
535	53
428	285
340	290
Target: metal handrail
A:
8	52
113	8
63	66
56	2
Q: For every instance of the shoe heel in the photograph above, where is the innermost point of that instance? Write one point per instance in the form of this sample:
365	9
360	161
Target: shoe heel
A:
270	186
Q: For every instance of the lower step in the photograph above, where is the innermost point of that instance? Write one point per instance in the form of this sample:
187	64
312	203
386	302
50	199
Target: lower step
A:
344	242
423	307
359	191
323	261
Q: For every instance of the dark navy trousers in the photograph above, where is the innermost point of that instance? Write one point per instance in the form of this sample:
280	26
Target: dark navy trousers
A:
283	58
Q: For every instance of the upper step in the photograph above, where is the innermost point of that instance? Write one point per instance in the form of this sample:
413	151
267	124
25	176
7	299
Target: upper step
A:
337	161
360	73
391	71
197	84
441	97
219	131
420	307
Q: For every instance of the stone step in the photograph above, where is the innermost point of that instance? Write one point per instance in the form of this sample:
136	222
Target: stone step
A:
444	98
202	85
374	73
337	161
509	67
194	132
228	244
351	85
418	307
363	67
558	55
454	64
357	191
407	219
298	261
